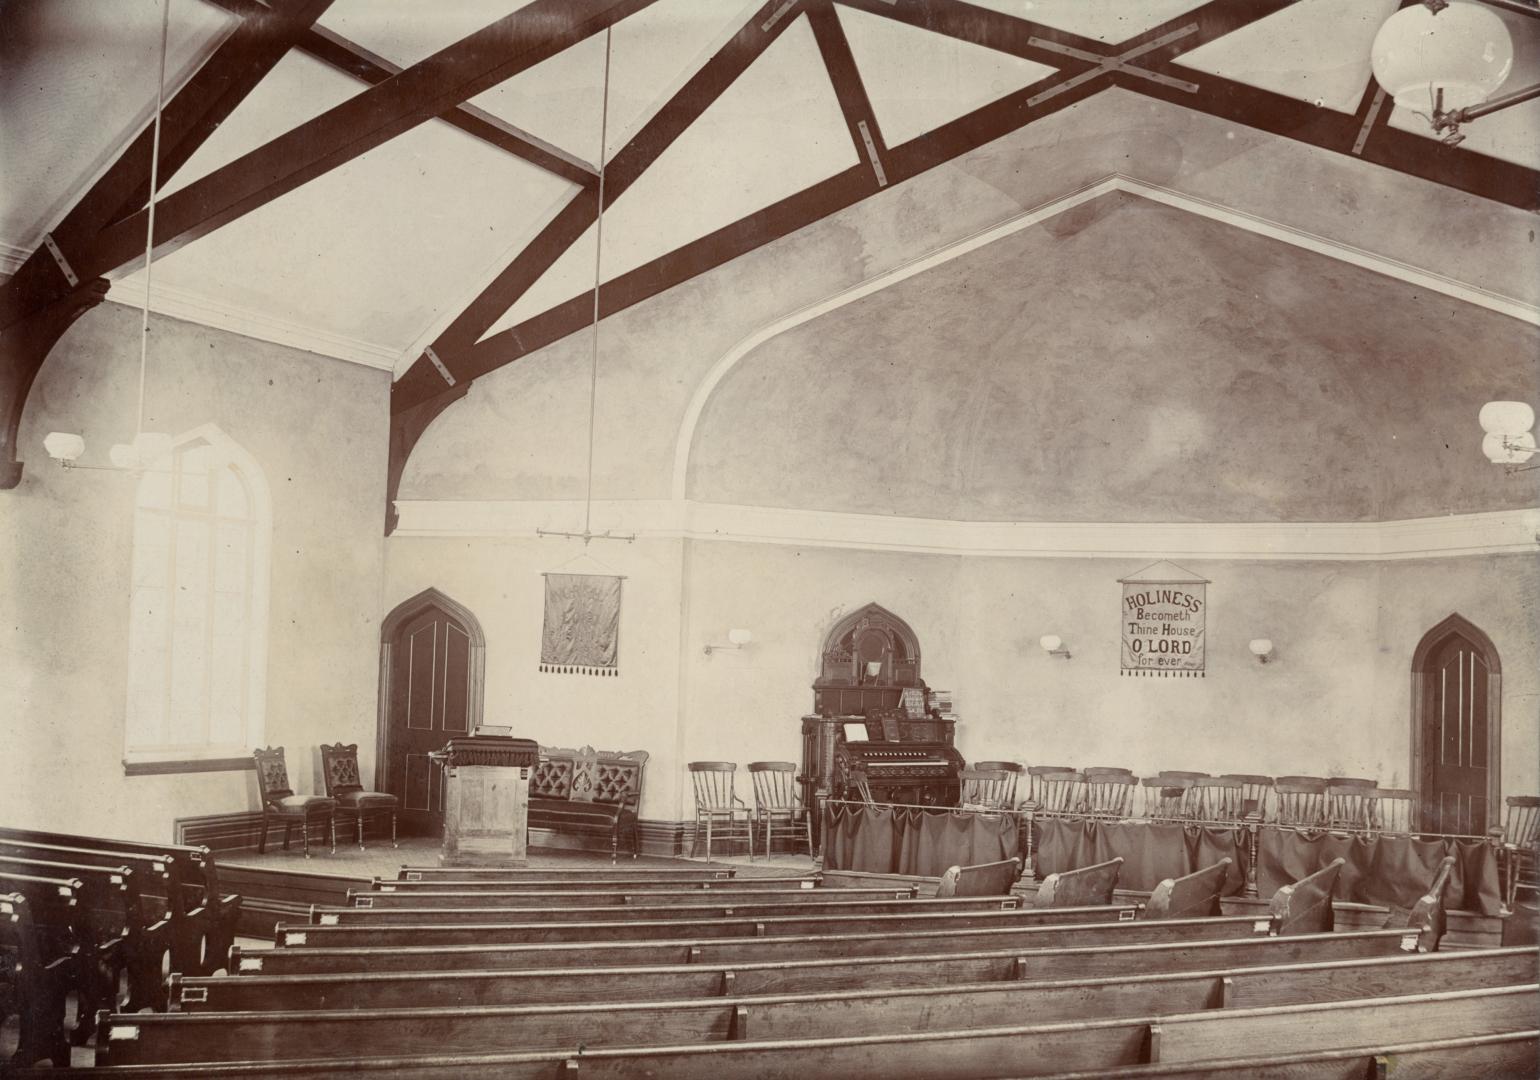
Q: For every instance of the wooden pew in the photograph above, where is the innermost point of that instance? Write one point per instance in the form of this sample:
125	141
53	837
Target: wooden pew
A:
35	985
1080	888
1305	906
1191	896
385	934
64	927
212	913
127	940
737	952
368	978
589	884
342	1032
582	875
958	1054
721	907
1427	914
981	879
1510	1054
162	884
614	898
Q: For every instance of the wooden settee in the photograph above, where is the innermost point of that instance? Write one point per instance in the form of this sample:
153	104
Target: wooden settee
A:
587	793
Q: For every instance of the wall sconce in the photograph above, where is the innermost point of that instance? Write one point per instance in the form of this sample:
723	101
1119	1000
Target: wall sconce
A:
736	639
148	447
1053	645
1509	441
1261	648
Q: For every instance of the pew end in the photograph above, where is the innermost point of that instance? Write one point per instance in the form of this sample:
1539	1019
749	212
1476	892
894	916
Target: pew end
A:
1427	916
981	879
1305	906
1194	896
1090	886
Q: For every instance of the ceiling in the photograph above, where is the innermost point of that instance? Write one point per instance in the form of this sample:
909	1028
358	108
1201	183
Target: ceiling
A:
416	187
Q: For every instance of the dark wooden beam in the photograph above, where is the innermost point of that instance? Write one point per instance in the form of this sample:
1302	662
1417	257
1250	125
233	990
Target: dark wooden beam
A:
856	106
646	146
353	128
187	120
332	48
24	345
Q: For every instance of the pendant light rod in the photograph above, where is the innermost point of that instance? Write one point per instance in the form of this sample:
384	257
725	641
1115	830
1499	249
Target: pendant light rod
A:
149	231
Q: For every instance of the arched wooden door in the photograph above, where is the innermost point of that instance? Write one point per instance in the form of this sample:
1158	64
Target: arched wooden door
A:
432	662
1456	727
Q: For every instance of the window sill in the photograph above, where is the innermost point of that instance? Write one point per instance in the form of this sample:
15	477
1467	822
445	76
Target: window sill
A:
187	765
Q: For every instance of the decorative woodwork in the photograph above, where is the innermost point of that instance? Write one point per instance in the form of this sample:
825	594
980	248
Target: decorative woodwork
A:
589	792
339	767
486	799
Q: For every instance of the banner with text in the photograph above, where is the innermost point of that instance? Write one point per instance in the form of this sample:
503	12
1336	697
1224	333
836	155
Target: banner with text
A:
1163	615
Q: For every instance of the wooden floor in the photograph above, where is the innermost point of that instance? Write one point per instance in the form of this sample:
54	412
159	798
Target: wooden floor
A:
381	860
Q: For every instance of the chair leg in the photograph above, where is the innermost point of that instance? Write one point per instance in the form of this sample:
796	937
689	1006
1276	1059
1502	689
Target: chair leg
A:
393	829
358	827
288	827
331	829
262	840
708	839
304	828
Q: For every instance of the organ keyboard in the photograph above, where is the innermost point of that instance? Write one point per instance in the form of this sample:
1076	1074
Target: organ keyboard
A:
922	772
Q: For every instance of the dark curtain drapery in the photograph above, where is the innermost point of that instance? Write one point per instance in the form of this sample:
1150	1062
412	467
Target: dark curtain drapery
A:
1150	851
914	840
1389	871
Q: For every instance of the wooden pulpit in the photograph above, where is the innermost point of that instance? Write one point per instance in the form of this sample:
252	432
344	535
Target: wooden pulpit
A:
486	799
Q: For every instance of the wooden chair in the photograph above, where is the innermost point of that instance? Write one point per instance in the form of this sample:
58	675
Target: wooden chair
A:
717	806
1016	770
1345	801
982	879
1520	841
1041	792
1301	801
1254	794
1165	797
339	765
1109	793
1216	798
986	789
778	802
1180	774
279	803
1059	792
1392	811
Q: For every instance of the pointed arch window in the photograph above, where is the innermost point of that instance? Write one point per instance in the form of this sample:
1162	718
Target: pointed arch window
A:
198	609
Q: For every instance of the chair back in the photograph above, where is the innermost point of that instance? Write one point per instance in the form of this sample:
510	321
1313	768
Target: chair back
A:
1179	774
986	789
1165	797
1345	804
339	767
1522	829
714	784
1390	810
1059	792
1216	798
1014	768
1035	775
1109	793
1254	793
775	785
1301	801
272	774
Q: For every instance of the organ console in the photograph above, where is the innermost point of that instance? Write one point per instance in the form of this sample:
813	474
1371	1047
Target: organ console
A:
877	730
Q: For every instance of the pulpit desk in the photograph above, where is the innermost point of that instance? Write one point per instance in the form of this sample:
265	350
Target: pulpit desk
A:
486	800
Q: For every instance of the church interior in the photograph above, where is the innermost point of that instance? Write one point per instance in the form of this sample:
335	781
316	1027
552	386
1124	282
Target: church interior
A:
481	481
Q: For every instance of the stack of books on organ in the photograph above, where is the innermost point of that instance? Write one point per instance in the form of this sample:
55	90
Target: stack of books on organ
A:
941	702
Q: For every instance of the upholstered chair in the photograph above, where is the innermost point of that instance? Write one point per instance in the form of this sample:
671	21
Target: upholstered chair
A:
279	803
339	765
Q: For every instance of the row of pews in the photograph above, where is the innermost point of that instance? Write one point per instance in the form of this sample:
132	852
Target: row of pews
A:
695	973
85	917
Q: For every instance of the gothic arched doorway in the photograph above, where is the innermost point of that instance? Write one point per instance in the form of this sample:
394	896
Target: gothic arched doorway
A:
432	665
1456	727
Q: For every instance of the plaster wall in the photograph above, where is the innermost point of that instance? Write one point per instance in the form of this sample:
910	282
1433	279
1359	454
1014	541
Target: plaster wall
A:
317	427
500	581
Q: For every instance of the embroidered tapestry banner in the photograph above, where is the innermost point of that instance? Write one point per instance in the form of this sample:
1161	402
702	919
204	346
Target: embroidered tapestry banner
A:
1164	615
581	635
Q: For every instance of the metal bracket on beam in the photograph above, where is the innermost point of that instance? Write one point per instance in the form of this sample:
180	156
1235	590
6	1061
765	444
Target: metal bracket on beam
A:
1374	114
59	260
439	364
871	154
777	15
1106	65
